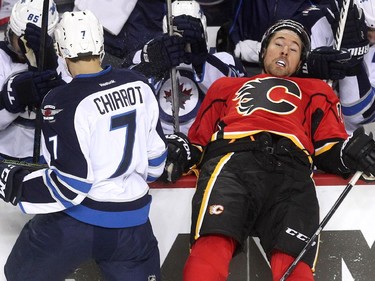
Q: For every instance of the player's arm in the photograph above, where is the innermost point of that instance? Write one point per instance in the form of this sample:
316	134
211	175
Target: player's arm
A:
326	62
182	156
11	182
156	144
27	89
356	153
357	99
222	64
335	151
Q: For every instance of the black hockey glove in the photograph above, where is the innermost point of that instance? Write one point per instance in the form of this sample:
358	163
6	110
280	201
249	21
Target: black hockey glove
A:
328	63
354	36
28	89
11	178
32	41
192	30
358	152
163	52
181	156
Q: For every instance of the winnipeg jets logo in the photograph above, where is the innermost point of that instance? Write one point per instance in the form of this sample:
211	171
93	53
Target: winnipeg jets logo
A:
185	92
49	112
276	95
189	98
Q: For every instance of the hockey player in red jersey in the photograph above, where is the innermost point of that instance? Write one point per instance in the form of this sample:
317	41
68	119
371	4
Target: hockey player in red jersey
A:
261	137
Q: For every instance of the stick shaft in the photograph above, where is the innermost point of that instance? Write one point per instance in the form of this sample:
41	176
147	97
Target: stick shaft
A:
174	80
340	29
38	118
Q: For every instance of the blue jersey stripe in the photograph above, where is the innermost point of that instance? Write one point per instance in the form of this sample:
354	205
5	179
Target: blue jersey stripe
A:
357	108
110	219
155	162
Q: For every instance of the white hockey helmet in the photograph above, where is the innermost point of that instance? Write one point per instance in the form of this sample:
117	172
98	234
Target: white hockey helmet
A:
25	11
368	7
186	7
79	34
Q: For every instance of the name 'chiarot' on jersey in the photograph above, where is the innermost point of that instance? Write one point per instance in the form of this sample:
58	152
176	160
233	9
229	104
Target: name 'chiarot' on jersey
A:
121	97
83	130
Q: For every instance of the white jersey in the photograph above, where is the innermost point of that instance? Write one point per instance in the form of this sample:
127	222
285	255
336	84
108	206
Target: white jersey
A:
192	88
357	94
17	129
103	142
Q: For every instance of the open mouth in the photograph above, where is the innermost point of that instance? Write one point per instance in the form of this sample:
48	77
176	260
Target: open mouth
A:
281	63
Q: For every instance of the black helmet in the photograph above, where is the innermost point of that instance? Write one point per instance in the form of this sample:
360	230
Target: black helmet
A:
296	27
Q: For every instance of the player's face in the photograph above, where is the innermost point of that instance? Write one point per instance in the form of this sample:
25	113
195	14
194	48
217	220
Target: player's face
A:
283	54
371	35
15	47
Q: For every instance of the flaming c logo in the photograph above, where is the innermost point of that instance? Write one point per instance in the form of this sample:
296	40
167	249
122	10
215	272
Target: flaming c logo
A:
276	95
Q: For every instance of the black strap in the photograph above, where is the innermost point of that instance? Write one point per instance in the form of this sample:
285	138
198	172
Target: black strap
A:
224	146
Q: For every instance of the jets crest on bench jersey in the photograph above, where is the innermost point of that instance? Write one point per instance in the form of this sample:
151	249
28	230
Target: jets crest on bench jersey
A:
103	142
192	88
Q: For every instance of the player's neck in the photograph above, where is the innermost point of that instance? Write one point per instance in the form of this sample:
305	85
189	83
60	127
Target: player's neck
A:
84	67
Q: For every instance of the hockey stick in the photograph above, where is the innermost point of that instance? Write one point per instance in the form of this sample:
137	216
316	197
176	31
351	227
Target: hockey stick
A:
26	165
340	28
174	80
38	112
330	213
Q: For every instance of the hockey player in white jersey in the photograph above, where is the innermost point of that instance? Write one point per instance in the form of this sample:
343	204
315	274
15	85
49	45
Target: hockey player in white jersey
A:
22	85
357	93
103	143
196	68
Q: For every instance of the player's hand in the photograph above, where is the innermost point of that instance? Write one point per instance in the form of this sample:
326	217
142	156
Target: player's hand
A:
358	152
328	63
28	89
179	157
32	38
11	178
190	28
355	32
164	52
194	34
248	50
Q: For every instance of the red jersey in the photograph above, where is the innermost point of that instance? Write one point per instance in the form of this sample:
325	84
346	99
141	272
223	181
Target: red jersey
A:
305	110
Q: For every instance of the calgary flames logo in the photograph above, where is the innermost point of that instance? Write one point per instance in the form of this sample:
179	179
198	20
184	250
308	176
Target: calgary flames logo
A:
275	95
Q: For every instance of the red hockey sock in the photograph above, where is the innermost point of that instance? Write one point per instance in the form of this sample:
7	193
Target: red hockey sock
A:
209	259
280	262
